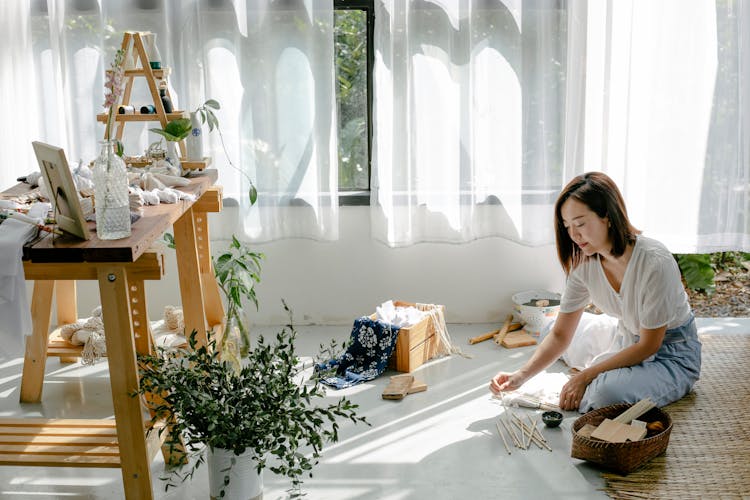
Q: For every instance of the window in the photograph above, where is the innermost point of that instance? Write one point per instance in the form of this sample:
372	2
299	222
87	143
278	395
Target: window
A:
353	33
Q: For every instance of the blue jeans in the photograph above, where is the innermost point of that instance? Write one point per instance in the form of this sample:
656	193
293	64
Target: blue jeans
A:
664	379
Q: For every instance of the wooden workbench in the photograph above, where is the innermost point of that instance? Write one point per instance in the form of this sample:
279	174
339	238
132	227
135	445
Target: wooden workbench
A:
120	267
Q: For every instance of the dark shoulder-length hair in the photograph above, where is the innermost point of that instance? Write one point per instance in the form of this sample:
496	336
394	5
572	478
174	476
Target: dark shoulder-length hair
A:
597	191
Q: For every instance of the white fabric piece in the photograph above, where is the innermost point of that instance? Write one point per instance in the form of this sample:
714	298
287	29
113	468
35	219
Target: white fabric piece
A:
14	304
651	293
542	388
148	197
181	195
166	196
149	182
595	338
163	167
171	180
399	316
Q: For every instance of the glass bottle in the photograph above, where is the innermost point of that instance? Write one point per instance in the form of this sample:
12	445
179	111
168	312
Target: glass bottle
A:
111	200
165	100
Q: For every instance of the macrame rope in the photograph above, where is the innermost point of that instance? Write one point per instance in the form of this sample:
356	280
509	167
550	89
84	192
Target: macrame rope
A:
438	320
94	348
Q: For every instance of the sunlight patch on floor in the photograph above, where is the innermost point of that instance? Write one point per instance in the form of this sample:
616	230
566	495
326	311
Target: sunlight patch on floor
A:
412	442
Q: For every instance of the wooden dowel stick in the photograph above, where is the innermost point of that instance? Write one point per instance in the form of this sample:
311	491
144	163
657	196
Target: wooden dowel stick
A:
635	411
487	336
523	430
505	443
483	337
533	430
539	435
541	442
504	330
512	434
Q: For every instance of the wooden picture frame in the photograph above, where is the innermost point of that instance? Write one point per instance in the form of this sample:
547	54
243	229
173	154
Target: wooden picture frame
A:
63	192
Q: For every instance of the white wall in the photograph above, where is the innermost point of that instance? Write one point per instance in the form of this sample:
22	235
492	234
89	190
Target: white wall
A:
335	282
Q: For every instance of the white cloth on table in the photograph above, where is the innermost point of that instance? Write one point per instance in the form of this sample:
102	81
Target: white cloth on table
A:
15	315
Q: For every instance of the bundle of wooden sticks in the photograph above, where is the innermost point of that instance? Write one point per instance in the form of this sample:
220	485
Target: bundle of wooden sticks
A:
521	433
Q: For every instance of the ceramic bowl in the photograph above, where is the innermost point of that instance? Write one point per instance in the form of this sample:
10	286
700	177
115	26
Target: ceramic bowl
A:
552	418
531	309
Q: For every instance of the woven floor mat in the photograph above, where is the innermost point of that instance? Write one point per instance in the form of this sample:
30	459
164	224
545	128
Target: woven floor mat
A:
709	450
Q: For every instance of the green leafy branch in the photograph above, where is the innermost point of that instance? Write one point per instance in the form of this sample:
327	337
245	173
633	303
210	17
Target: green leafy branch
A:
207	116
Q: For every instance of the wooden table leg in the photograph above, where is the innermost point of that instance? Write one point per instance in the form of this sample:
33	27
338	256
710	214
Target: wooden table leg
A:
188	267
35	359
67	308
144	344
123	374
211	294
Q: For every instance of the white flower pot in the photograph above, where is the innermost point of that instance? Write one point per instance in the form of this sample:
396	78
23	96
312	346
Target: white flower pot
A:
245	483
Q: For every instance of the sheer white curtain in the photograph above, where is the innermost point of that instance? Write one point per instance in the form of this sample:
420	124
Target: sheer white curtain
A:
469	119
269	64
666	112
484	109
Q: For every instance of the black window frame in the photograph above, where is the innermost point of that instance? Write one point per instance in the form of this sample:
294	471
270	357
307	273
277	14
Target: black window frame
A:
362	197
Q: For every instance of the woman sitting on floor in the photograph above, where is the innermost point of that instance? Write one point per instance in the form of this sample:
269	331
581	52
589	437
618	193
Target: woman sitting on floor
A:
655	352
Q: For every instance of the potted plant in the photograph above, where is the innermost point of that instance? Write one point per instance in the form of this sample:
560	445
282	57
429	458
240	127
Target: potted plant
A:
261	412
174	132
237	271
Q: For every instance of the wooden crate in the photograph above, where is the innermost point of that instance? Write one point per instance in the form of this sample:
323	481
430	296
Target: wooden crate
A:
416	344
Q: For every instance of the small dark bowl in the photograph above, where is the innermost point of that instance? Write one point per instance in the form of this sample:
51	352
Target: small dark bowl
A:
552	418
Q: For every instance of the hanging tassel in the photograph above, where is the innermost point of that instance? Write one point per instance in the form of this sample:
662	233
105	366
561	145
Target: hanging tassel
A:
94	348
438	320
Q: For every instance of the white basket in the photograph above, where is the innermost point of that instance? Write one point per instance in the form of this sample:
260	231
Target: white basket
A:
535	318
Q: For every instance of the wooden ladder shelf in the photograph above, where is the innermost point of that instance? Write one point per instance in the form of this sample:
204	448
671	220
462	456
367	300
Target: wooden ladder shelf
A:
133	46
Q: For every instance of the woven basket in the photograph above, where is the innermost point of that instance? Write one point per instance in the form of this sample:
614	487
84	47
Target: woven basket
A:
620	457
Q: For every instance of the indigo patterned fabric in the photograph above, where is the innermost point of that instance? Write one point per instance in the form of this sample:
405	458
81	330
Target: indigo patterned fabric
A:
370	347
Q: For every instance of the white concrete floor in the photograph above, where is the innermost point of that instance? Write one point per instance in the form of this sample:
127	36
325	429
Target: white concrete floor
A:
439	444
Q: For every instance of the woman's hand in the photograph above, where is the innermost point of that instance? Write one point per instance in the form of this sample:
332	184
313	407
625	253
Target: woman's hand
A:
504	381
572	392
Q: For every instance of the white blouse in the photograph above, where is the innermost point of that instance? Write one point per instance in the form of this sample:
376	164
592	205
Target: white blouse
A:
651	294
